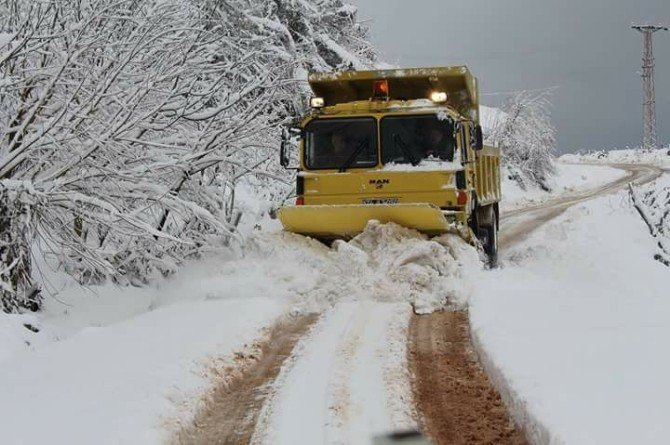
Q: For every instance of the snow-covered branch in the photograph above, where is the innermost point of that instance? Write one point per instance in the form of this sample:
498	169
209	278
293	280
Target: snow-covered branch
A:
527	137
126	126
653	206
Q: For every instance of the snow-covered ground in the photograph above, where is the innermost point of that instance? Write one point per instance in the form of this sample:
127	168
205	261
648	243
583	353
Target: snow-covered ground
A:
660	157
575	324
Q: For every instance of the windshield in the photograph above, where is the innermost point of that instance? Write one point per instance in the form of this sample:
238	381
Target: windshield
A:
341	143
410	139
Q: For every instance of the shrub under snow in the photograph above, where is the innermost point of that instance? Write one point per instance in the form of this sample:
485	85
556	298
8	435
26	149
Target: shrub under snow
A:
527	138
653	205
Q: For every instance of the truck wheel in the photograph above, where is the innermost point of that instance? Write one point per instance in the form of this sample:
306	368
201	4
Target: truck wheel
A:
487	232
491	245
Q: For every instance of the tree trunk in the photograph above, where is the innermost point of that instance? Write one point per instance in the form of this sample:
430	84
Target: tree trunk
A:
18	291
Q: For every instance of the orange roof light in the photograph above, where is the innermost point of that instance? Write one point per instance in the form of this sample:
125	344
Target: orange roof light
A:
380	89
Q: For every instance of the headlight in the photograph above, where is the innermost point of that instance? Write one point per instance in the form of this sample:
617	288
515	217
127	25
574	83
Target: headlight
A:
316	102
438	97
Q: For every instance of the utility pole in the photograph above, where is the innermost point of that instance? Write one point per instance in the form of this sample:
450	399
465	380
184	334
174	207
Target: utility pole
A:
649	140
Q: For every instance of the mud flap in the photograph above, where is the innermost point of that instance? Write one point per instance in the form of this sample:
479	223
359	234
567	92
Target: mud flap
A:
346	221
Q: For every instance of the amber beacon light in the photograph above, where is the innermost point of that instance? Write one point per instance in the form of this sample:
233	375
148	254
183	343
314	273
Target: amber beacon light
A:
380	89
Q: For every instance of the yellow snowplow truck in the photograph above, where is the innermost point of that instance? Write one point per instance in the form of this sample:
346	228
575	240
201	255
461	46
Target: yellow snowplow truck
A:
399	145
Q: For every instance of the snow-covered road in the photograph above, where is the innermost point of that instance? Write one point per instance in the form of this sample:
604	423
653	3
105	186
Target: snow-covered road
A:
519	223
576	299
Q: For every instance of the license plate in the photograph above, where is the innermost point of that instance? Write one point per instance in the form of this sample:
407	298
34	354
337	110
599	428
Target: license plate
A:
380	201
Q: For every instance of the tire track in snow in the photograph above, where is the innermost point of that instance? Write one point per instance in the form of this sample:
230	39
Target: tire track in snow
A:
340	405
230	412
457	401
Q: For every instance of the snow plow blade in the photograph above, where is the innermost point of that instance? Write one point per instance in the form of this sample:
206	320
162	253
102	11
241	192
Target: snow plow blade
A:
347	221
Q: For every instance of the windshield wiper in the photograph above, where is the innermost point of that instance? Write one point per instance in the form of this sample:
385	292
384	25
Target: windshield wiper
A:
352	157
398	142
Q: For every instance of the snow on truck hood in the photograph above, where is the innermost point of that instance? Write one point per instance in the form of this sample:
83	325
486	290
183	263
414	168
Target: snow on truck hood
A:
424	166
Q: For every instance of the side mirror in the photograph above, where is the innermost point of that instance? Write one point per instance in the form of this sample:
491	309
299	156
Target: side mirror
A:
479	138
287	135
284	155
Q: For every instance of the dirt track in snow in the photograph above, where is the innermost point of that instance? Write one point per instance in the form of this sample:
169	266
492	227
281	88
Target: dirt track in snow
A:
456	401
230	412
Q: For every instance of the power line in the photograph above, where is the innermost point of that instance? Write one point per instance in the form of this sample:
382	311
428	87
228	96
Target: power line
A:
649	139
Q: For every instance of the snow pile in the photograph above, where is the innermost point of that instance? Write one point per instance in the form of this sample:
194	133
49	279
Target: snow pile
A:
386	263
660	157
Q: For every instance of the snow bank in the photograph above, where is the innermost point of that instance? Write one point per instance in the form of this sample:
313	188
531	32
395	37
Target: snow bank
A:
576	323
569	178
385	263
69	307
652	201
127	383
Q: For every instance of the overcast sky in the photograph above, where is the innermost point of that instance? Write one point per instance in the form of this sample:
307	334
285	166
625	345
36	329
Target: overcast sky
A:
585	48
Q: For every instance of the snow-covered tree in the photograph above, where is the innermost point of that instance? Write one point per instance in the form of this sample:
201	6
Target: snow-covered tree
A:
125	125
653	206
527	138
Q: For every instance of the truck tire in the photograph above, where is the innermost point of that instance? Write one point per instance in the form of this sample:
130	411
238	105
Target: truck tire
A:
491	246
487	232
